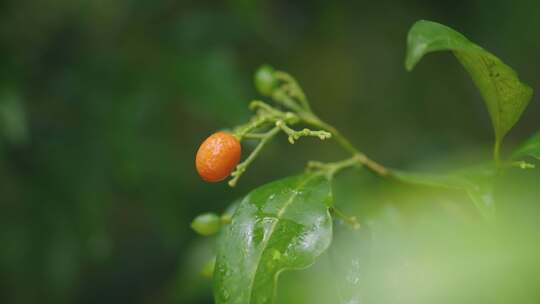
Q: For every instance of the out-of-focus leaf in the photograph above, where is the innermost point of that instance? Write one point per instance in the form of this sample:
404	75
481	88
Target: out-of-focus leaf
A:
476	182
481	190
448	181
191	281
279	226
531	147
505	96
350	254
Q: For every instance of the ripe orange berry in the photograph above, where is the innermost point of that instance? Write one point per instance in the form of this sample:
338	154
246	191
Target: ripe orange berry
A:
217	156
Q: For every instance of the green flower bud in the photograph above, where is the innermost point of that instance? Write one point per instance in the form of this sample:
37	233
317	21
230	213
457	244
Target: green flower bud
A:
206	224
265	82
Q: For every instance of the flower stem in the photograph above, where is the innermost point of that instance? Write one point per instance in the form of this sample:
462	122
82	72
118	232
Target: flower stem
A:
293	88
331	169
252	125
295	135
352	221
372	165
241	168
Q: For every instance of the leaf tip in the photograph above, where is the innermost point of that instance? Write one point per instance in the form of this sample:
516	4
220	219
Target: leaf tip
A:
415	52
409	64
415	48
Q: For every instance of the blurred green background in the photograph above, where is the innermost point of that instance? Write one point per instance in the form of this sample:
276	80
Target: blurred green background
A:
104	103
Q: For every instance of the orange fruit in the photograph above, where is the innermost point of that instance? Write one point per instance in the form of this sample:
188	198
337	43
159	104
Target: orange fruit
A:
217	156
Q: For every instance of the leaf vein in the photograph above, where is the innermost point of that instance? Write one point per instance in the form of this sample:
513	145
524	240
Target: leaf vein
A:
274	225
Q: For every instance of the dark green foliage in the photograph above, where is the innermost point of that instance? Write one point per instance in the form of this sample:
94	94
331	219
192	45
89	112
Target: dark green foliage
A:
102	106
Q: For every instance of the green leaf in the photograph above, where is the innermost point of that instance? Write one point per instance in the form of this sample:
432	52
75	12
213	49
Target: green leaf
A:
282	225
505	96
530	148
349	257
477	183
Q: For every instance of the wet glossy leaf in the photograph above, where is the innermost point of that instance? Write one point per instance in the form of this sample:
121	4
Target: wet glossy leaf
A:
476	182
505	96
530	148
279	226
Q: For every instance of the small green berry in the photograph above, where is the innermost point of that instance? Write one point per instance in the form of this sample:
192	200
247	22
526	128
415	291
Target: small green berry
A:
265	82
206	224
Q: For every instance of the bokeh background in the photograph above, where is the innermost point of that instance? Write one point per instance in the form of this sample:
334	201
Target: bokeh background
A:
104	103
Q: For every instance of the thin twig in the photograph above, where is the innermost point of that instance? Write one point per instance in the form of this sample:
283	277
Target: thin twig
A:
241	168
293	88
257	104
347	145
252	125
350	220
254	135
295	135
